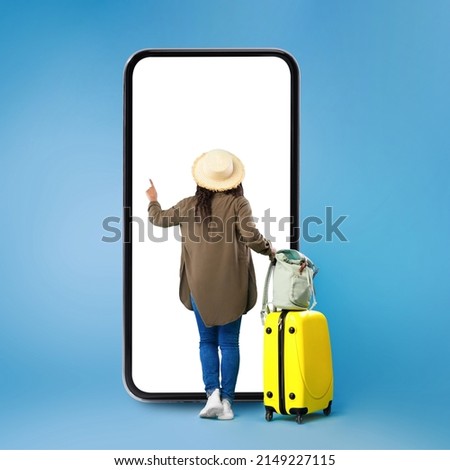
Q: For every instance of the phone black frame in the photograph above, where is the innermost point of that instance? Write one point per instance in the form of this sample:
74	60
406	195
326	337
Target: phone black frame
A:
134	391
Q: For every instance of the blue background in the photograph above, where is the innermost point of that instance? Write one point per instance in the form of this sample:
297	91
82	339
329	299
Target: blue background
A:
375	146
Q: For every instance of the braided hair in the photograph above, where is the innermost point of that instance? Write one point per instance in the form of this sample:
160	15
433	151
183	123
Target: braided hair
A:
205	196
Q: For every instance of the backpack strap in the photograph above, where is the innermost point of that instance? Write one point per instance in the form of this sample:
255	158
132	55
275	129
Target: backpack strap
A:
265	309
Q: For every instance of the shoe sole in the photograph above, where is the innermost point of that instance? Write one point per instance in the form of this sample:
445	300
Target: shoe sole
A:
225	417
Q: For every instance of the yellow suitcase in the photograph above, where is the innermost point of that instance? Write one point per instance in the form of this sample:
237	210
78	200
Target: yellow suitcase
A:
298	370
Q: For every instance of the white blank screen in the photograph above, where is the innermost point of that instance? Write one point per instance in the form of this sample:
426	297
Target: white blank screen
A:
182	107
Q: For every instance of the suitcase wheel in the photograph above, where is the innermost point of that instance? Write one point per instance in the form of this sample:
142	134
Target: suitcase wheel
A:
269	415
299	418
327	410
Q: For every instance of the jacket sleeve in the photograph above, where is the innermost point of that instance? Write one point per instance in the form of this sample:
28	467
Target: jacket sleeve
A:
248	232
165	218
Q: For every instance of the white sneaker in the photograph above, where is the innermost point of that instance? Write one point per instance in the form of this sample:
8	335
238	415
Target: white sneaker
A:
227	412
213	407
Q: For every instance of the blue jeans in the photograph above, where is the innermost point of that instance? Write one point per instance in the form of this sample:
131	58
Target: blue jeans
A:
225	337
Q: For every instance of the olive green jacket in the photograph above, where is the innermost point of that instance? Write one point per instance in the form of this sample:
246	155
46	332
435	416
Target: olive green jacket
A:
216	262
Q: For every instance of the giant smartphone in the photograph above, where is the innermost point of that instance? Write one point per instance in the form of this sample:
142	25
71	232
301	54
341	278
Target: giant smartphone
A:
177	105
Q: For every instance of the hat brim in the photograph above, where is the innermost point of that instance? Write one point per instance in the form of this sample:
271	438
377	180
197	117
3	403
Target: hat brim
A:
233	181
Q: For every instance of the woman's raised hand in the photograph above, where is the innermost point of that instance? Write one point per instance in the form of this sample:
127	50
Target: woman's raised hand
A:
151	192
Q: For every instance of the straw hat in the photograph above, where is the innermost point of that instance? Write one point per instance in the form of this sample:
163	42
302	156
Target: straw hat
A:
218	170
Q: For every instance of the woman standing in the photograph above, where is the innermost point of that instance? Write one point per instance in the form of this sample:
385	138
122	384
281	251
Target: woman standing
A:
217	277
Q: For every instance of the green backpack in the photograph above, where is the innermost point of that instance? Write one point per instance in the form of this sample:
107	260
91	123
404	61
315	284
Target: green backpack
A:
293	286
